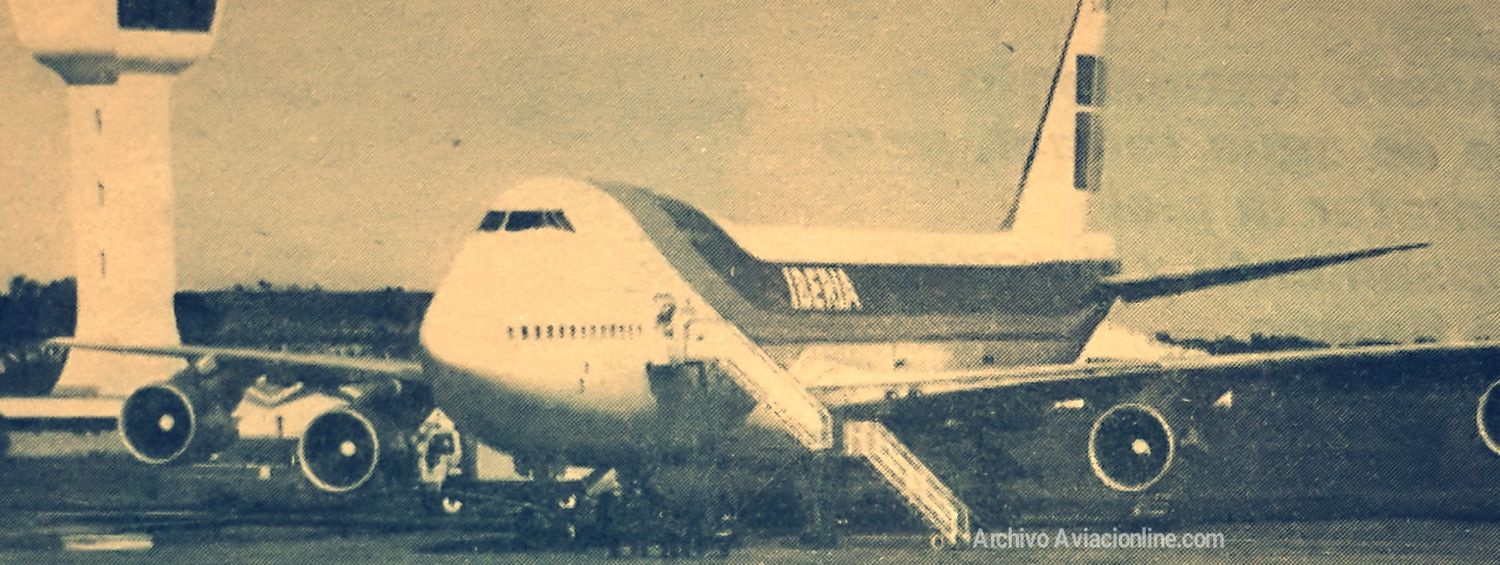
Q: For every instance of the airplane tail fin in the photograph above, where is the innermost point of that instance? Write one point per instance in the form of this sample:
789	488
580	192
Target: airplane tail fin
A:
1138	288
1063	167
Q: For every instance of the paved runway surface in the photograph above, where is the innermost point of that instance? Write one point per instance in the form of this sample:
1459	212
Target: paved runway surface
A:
52	506
39	537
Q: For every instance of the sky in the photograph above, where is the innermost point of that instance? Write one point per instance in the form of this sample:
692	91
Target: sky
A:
353	145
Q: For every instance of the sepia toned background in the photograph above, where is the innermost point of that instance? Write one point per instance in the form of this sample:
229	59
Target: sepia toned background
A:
352	145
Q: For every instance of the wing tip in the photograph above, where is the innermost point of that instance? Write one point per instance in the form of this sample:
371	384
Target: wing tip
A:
1406	247
1136	289
1386	250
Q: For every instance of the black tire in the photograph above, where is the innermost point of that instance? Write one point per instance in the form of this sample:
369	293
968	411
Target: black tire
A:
4	438
445	503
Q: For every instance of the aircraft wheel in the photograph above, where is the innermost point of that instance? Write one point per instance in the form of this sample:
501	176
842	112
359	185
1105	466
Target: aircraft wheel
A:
938	542
4	438
444	503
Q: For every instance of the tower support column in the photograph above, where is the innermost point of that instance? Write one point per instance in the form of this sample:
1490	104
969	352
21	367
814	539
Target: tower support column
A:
119	59
121	211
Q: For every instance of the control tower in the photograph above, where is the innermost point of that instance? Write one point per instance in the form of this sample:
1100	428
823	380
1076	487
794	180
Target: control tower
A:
119	59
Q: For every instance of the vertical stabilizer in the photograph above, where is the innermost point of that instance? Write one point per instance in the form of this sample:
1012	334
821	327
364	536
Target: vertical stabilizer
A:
1063	167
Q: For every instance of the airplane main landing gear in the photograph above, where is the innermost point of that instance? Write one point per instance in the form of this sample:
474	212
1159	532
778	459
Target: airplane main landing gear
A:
636	521
446	502
4	438
548	525
821	530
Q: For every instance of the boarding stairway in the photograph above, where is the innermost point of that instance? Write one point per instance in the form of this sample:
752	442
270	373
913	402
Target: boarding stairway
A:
924	491
773	389
806	419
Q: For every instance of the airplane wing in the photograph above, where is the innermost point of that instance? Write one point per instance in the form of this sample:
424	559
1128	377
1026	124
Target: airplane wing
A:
74	413
194	353
82	413
1135	288
854	391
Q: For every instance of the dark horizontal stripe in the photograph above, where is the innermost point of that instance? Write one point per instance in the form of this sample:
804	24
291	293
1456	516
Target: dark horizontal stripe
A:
934	337
898	302
60	424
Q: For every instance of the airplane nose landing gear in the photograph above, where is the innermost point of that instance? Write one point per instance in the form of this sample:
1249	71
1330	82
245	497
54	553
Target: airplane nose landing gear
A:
440	455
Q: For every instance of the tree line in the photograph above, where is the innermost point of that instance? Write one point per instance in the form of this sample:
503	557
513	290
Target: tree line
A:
32	310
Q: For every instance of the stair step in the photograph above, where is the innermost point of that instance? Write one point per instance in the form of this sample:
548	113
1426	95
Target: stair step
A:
913	480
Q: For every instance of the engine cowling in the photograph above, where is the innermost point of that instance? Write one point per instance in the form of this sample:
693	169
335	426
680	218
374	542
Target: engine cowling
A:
348	447
175	421
344	449
1487	418
1131	447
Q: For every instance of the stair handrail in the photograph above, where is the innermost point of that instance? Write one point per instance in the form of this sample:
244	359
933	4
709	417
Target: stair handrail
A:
924	491
780	395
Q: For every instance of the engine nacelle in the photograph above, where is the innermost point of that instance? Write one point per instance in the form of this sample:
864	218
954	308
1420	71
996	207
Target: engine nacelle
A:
176	421
1487	418
345	448
1131	447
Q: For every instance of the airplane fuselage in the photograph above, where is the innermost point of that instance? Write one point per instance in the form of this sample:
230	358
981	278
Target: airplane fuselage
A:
542	334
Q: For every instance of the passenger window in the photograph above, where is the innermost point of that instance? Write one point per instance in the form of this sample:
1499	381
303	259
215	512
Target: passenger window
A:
549	332
510	332
525	334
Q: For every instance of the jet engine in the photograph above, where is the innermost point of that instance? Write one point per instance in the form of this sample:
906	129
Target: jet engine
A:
1487	418
1131	446
347	447
181	420
342	449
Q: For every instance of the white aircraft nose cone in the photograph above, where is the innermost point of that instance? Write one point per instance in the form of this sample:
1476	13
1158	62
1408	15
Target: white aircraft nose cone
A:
166	423
348	449
1140	447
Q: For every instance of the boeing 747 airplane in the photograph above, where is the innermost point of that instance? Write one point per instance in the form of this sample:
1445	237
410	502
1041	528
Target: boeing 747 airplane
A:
606	325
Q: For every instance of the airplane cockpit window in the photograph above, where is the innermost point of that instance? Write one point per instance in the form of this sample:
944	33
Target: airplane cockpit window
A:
492	221
522	220
555	218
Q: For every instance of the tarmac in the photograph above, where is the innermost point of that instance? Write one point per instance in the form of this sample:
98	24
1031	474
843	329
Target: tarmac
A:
200	538
87	503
